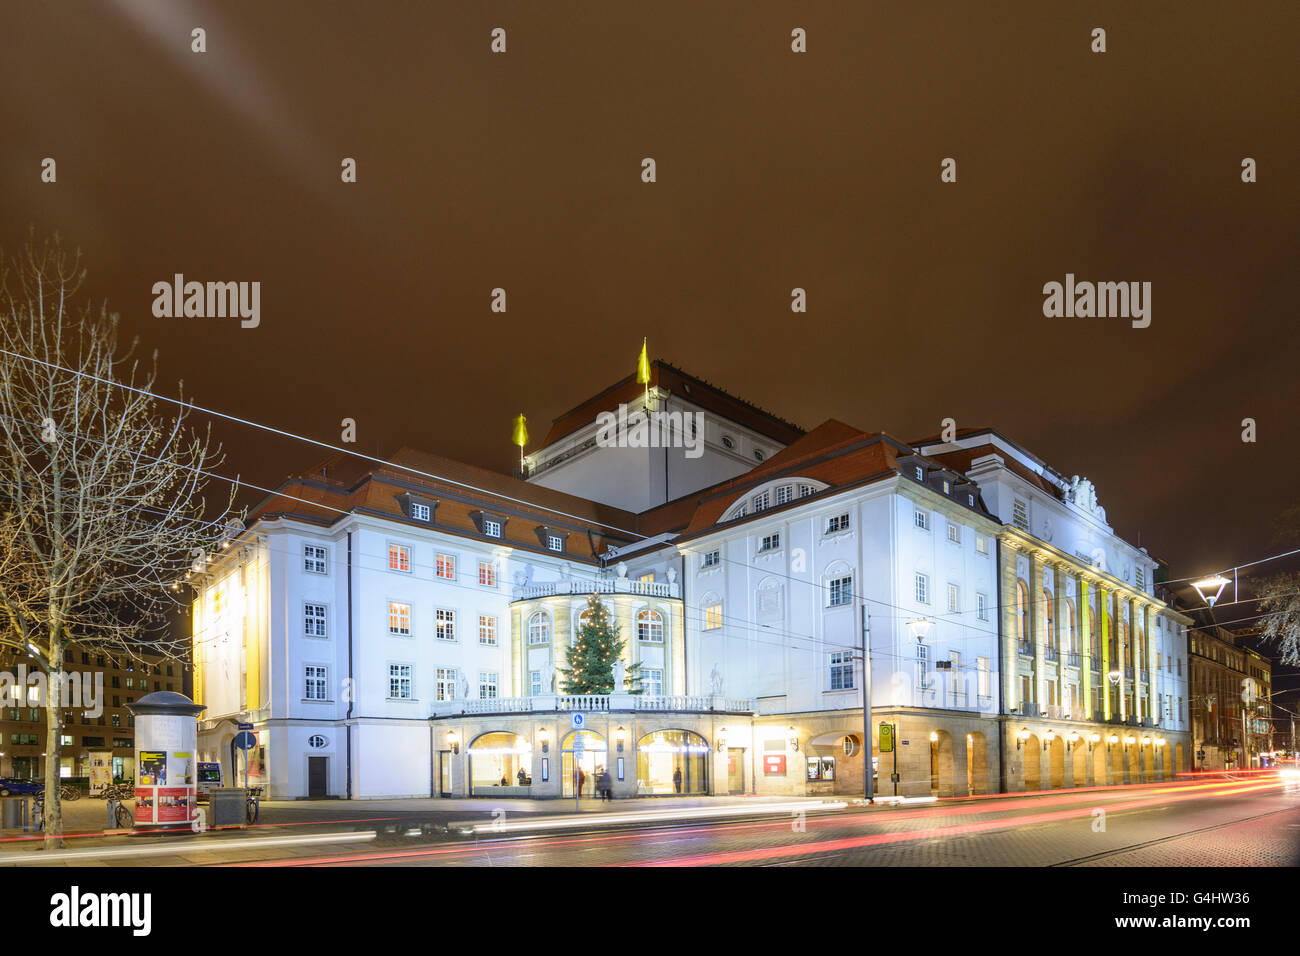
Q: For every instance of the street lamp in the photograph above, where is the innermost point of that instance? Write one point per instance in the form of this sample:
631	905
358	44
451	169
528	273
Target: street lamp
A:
620	737
1022	737
1215	583
1048	738
544	738
722	740
453	741
920	627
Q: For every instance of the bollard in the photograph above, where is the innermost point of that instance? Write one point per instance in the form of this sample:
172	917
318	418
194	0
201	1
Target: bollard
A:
112	814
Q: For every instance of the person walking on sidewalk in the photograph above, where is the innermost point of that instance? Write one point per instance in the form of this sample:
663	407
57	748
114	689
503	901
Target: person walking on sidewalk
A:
677	780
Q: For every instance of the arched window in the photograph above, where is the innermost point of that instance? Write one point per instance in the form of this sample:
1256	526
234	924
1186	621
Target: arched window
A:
650	626
539	628
711	611
839	584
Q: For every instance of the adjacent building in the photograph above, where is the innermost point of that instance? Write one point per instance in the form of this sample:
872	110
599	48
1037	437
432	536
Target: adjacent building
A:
1231	687
398	630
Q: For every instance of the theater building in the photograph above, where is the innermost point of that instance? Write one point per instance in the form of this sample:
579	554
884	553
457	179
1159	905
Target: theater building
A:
397	630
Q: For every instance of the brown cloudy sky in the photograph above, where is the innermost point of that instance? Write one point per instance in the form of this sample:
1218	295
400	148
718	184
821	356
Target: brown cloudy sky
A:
775	170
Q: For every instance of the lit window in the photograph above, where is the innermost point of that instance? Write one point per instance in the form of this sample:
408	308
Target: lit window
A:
419	512
314	559
487	630
445	567
399	681
982	676
981	544
399	558
487	574
539	628
946	487
399	618
841	590
647	578
314	624
650	627
445	625
315	683
954	533
712	613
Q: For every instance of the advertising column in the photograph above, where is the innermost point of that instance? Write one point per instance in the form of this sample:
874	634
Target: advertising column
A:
166	734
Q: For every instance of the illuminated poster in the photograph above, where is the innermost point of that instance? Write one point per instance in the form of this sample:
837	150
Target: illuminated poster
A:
152	768
101	771
173	805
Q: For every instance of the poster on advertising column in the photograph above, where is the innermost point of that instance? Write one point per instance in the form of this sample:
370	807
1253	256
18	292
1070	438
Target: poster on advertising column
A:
151	774
101	771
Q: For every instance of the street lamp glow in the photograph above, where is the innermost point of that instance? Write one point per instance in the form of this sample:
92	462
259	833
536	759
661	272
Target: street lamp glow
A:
1215	583
920	627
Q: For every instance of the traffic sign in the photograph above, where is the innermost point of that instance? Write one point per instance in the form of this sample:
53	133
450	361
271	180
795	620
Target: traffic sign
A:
245	726
579	721
245	740
886	738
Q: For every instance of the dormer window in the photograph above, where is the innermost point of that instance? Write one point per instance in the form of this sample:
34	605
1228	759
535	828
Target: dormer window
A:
487	524
760	502
783	494
920	474
758	454
554	543
552	539
947	488
419	512
491	528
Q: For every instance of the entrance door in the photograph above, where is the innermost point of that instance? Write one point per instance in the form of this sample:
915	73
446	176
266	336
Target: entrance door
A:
736	770
316	776
444	773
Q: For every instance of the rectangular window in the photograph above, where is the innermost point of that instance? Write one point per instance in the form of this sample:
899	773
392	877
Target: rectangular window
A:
419	512
399	619
760	502
712	616
445	567
837	523
922	589
981	544
922	667
921	519
946	488
535	683
444	686
920	473
487	630
711	559
784	493
806	490
487	574
982	676
487	685
315	559
1020	514
491	528
841	591
841	671
954	599
314	623
982	606
399	558
554	542
647	578
770	542
314	683
445	624
954	533
399	681
653	682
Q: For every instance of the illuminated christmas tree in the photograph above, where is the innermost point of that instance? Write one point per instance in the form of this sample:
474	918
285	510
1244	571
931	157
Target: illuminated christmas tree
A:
593	654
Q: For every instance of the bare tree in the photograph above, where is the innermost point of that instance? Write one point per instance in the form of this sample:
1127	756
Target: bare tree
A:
101	486
1279	595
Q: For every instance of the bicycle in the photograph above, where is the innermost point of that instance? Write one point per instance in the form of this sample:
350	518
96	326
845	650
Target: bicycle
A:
254	811
69	793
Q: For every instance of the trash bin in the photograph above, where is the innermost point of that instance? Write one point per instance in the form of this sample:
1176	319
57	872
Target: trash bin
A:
228	807
13	812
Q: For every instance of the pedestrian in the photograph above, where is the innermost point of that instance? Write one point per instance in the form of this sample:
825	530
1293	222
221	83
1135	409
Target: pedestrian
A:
582	778
677	780
606	788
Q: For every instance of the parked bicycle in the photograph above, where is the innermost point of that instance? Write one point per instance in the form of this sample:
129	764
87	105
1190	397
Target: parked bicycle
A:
67	792
254	804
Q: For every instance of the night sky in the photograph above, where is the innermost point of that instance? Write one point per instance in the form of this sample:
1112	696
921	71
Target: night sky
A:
775	170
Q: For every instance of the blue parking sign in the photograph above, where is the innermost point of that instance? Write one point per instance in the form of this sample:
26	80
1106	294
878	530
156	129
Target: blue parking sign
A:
578	720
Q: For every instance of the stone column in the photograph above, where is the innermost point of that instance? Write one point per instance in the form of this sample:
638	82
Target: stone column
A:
1062	634
1007	603
1085	657
1103	626
1037	625
1121	658
1149	632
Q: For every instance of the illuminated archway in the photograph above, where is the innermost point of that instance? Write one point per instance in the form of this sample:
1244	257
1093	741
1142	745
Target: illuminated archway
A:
496	760
672	762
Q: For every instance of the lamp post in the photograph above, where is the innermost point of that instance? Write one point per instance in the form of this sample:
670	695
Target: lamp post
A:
1215	583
